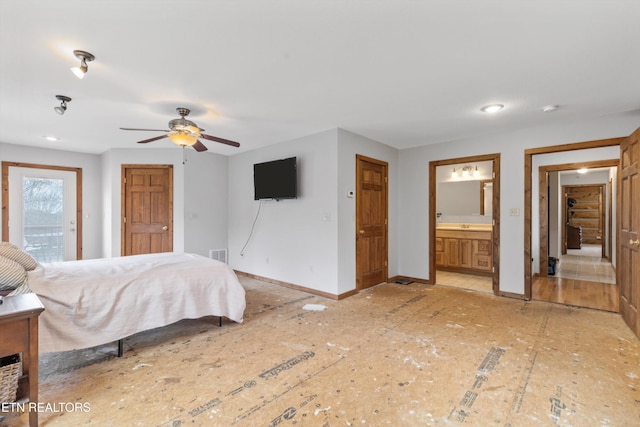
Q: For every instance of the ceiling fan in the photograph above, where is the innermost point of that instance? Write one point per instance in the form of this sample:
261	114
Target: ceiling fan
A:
185	133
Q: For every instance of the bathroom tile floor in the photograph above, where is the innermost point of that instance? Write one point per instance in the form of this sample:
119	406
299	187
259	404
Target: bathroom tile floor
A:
464	281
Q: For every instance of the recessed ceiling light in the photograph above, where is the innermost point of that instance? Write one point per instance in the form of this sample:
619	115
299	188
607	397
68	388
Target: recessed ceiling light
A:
582	170
51	138
492	108
550	108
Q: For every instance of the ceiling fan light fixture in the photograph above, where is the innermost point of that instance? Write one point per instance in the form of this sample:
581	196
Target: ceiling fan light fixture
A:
183	139
63	104
193	129
83	57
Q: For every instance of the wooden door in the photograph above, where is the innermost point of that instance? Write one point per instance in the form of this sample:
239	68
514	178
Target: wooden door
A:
629	258
147	221
371	222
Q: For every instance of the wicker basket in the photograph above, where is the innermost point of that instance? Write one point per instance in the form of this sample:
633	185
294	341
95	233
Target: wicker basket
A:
9	375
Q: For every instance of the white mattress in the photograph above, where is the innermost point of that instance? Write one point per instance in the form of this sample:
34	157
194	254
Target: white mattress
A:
93	302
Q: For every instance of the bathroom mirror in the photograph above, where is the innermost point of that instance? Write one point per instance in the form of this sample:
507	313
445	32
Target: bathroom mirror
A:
459	198
465	197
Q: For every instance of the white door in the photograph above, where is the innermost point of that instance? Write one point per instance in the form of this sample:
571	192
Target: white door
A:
42	213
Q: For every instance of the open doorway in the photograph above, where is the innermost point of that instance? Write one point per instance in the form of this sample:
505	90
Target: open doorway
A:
575	221
561	239
464	222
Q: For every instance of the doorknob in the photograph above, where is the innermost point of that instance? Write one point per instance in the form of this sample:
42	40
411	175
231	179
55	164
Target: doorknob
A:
634	242
165	228
361	232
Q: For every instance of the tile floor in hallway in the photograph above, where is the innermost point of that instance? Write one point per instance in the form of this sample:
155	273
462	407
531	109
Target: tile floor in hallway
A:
586	264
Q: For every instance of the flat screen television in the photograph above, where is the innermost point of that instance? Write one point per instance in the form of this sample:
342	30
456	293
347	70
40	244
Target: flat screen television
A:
277	179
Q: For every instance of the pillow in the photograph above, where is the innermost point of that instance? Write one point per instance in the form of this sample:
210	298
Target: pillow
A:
11	251
12	274
23	288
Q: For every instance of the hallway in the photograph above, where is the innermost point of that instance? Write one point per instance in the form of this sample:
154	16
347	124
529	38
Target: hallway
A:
582	279
586	264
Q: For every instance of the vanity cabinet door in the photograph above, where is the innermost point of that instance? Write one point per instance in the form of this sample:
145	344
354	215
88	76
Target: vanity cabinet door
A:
451	253
483	247
465	249
482	259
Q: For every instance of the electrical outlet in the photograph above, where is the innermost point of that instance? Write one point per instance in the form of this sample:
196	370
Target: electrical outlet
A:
514	212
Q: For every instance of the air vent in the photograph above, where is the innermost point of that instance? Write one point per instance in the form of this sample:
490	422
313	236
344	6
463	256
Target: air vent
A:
218	254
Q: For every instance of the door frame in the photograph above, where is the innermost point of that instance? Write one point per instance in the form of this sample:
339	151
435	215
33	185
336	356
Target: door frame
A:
528	179
384	164
543	205
5	198
495	158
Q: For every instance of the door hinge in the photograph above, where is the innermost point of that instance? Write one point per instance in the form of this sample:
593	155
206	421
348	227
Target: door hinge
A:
385	221
385	179
125	180
124	219
493	175
385	263
493	269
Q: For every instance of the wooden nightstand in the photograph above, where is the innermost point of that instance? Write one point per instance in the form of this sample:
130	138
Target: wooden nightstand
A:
19	332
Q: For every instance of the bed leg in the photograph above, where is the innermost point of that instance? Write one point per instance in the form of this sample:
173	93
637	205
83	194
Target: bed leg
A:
120	347
220	321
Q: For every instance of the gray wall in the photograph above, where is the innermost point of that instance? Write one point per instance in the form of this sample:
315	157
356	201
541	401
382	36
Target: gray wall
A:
295	240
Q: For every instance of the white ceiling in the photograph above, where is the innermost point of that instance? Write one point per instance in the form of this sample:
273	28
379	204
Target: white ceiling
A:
402	72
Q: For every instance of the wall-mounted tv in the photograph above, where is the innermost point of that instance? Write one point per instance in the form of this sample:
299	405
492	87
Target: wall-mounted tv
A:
277	179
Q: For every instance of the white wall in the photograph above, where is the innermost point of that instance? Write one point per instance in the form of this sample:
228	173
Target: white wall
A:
205	202
294	240
199	197
350	144
91	200
413	233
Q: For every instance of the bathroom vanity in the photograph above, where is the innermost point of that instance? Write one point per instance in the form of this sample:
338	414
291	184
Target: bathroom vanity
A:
465	248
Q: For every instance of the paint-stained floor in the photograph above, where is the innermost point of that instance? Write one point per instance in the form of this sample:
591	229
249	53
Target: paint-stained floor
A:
392	355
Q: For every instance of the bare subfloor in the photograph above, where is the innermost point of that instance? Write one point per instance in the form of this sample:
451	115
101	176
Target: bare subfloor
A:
397	355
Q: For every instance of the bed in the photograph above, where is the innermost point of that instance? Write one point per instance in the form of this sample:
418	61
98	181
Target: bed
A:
93	302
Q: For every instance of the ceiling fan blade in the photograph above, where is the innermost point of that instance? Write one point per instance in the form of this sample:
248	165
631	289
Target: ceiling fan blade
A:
199	146
144	141
221	140
148	130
